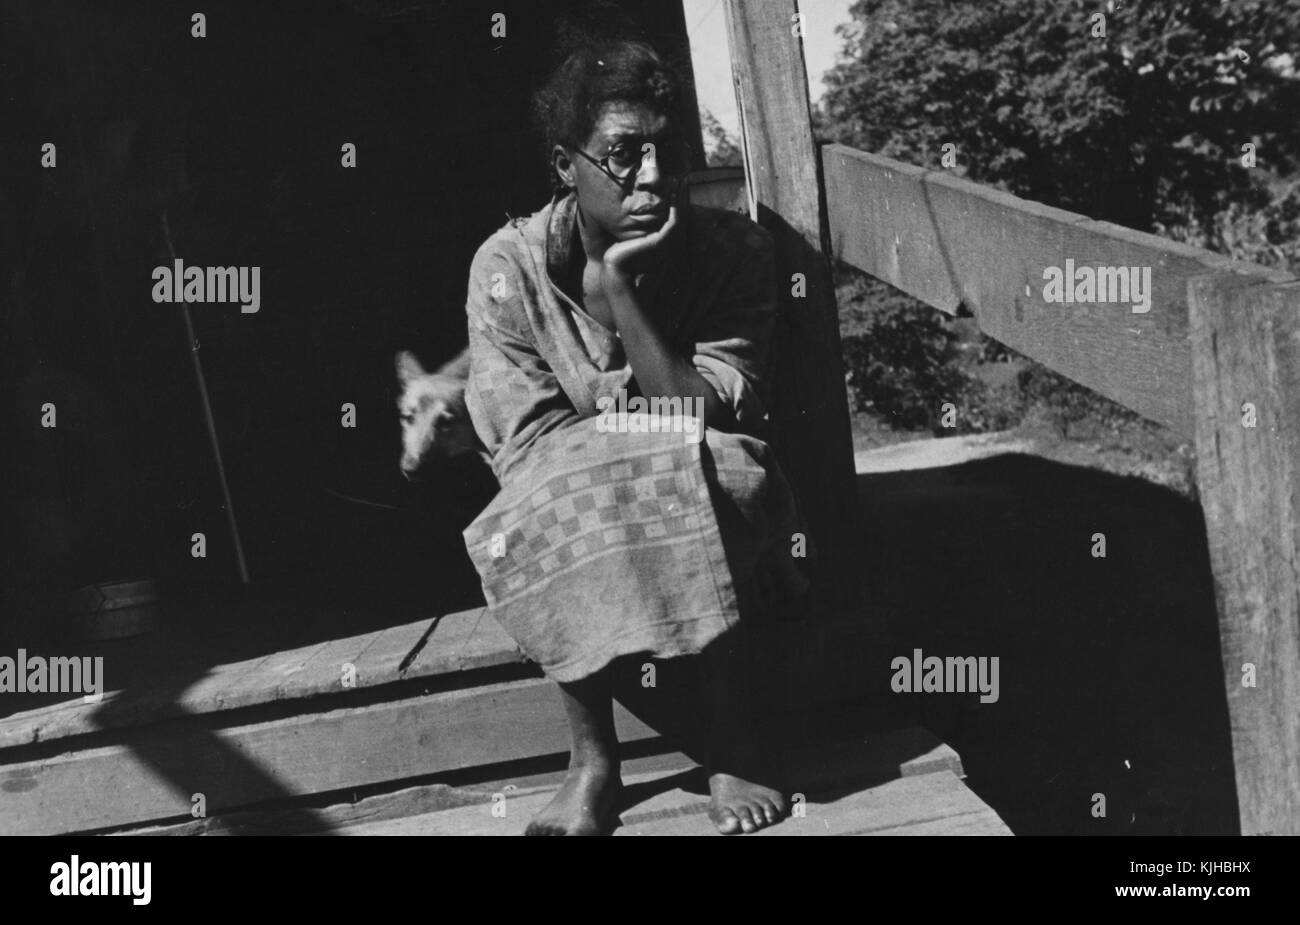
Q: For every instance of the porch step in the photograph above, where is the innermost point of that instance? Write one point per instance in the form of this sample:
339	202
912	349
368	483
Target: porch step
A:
429	698
192	685
900	782
937	803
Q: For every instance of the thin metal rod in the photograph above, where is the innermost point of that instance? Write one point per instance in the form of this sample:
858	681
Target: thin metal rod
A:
207	417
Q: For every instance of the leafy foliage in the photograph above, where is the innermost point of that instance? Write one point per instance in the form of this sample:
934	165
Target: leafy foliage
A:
1143	126
902	362
1066	403
722	149
905	361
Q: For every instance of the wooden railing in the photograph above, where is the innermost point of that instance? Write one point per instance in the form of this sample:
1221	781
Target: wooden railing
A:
1215	355
719	187
958	245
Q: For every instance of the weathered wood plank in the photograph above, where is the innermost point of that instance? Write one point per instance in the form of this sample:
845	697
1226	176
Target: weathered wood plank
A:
937	803
154	776
381	660
241	757
862	761
321	672
461	641
809	402
830	651
464	641
208	686
951	243
720	188
288	818
1246	349
288	664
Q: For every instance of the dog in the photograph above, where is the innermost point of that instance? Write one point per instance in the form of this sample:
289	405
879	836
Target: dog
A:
435	420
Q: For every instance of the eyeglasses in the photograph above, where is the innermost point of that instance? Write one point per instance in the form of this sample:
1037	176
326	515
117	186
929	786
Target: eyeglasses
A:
623	160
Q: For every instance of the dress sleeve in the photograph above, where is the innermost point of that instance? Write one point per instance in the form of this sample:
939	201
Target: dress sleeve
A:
512	394
732	344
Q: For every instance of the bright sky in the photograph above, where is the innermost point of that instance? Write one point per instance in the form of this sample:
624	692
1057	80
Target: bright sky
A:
707	26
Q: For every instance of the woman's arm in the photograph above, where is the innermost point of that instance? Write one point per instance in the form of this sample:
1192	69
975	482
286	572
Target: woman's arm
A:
660	373
512	394
728	371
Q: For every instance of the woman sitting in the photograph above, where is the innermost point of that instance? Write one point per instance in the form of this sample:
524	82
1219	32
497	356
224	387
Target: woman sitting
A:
618	534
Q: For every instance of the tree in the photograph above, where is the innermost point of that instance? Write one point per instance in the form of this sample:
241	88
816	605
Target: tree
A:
1143	126
721	149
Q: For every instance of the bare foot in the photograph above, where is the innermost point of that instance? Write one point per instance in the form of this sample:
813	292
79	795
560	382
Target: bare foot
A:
583	805
736	805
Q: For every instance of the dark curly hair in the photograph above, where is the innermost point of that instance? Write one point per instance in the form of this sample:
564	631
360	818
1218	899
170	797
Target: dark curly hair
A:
597	73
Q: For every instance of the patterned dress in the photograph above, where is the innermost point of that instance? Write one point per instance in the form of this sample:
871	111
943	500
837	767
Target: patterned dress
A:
605	542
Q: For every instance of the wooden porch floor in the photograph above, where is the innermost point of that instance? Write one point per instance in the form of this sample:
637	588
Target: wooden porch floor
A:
441	715
863	785
675	803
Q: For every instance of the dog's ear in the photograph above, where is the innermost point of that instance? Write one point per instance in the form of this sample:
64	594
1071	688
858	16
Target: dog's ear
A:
408	367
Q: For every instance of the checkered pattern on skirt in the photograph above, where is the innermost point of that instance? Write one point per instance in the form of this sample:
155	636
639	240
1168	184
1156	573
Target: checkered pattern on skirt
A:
605	543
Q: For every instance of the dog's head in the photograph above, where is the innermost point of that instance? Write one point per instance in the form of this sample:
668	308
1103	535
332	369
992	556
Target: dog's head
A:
435	422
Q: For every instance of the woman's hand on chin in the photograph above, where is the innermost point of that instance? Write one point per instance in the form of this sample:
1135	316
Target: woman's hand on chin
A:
626	260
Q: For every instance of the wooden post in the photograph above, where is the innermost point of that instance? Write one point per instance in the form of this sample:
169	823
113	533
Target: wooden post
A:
809	403
1246	375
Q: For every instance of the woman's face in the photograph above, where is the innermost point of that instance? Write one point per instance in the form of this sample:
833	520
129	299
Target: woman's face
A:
637	205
